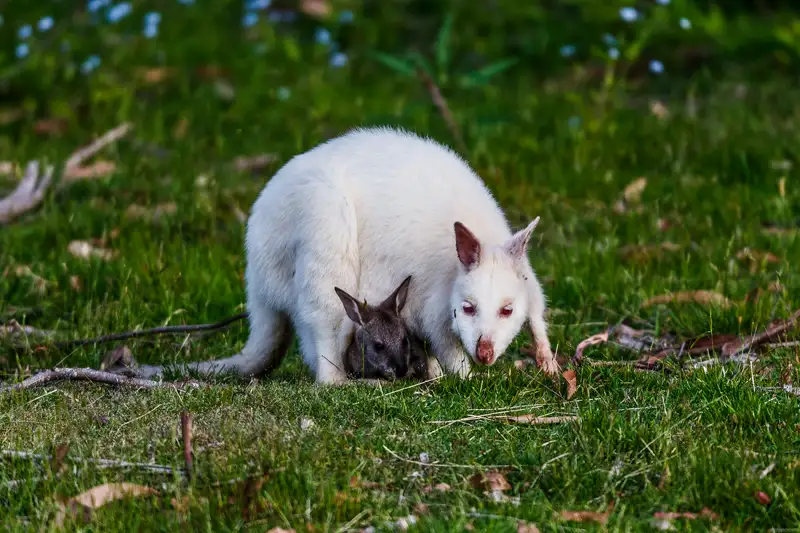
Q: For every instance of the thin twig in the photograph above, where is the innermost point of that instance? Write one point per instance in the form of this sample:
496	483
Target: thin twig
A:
73	170
152	331
97	376
102	463
444	109
186	431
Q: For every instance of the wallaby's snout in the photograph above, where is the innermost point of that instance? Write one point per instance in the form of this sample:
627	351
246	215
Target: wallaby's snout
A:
485	351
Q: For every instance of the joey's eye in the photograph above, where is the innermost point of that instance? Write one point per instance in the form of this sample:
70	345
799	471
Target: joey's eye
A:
468	308
378	346
506	311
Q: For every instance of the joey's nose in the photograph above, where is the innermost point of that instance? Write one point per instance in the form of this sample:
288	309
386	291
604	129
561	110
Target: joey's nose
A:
485	351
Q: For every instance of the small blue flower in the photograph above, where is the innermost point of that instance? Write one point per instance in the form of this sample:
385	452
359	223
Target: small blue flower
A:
284	93
22	50
567	50
150	31
256	5
90	64
95	5
338	60
119	11
656	66
153	18
322	36
574	122
628	14
613	54
662	2
45	24
609	39
346	17
685	23
25	31
250	19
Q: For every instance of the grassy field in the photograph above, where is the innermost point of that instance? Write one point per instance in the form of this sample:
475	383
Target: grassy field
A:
561	133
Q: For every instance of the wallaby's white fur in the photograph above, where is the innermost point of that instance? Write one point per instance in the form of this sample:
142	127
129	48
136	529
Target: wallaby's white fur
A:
362	212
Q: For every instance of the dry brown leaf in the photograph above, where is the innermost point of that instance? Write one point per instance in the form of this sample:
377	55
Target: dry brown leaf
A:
762	498
76	283
181	128
572	382
700	297
40	284
537	420
663	224
155	74
96	497
316	8
342	497
57	463
85	250
441	487
50	126
632	194
356	482
9	116
98	169
526	527
659	109
489	481
664	478
136	211
588	516
422	508
641	253
786	375
704	513
254	163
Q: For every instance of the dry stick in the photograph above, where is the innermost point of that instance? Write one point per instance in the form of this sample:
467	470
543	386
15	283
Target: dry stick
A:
97	376
186	431
152	331
103	463
738	347
444	109
72	167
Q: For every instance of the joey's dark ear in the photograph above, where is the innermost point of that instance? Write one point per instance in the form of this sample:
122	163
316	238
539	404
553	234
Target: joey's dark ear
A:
397	300
467	246
351	306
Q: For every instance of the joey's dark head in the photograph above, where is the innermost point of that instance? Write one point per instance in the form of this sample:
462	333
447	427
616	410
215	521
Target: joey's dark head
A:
381	348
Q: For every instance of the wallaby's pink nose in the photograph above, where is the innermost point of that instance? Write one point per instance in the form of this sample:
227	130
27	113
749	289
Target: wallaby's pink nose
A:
485	351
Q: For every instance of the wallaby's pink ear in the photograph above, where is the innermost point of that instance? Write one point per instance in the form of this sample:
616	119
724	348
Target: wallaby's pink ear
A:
517	245
467	246
397	300
351	306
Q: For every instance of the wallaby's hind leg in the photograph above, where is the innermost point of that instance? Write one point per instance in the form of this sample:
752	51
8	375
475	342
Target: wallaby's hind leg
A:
269	340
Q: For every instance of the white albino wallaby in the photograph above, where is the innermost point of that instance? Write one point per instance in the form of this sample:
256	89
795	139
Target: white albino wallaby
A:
360	212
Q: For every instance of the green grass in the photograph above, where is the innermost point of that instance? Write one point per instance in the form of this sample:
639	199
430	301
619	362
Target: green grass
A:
710	173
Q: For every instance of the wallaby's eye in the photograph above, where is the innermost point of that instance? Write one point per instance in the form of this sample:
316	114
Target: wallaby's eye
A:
468	308
378	346
506	311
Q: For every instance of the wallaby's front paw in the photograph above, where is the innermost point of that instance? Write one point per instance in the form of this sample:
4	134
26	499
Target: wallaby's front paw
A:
546	361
